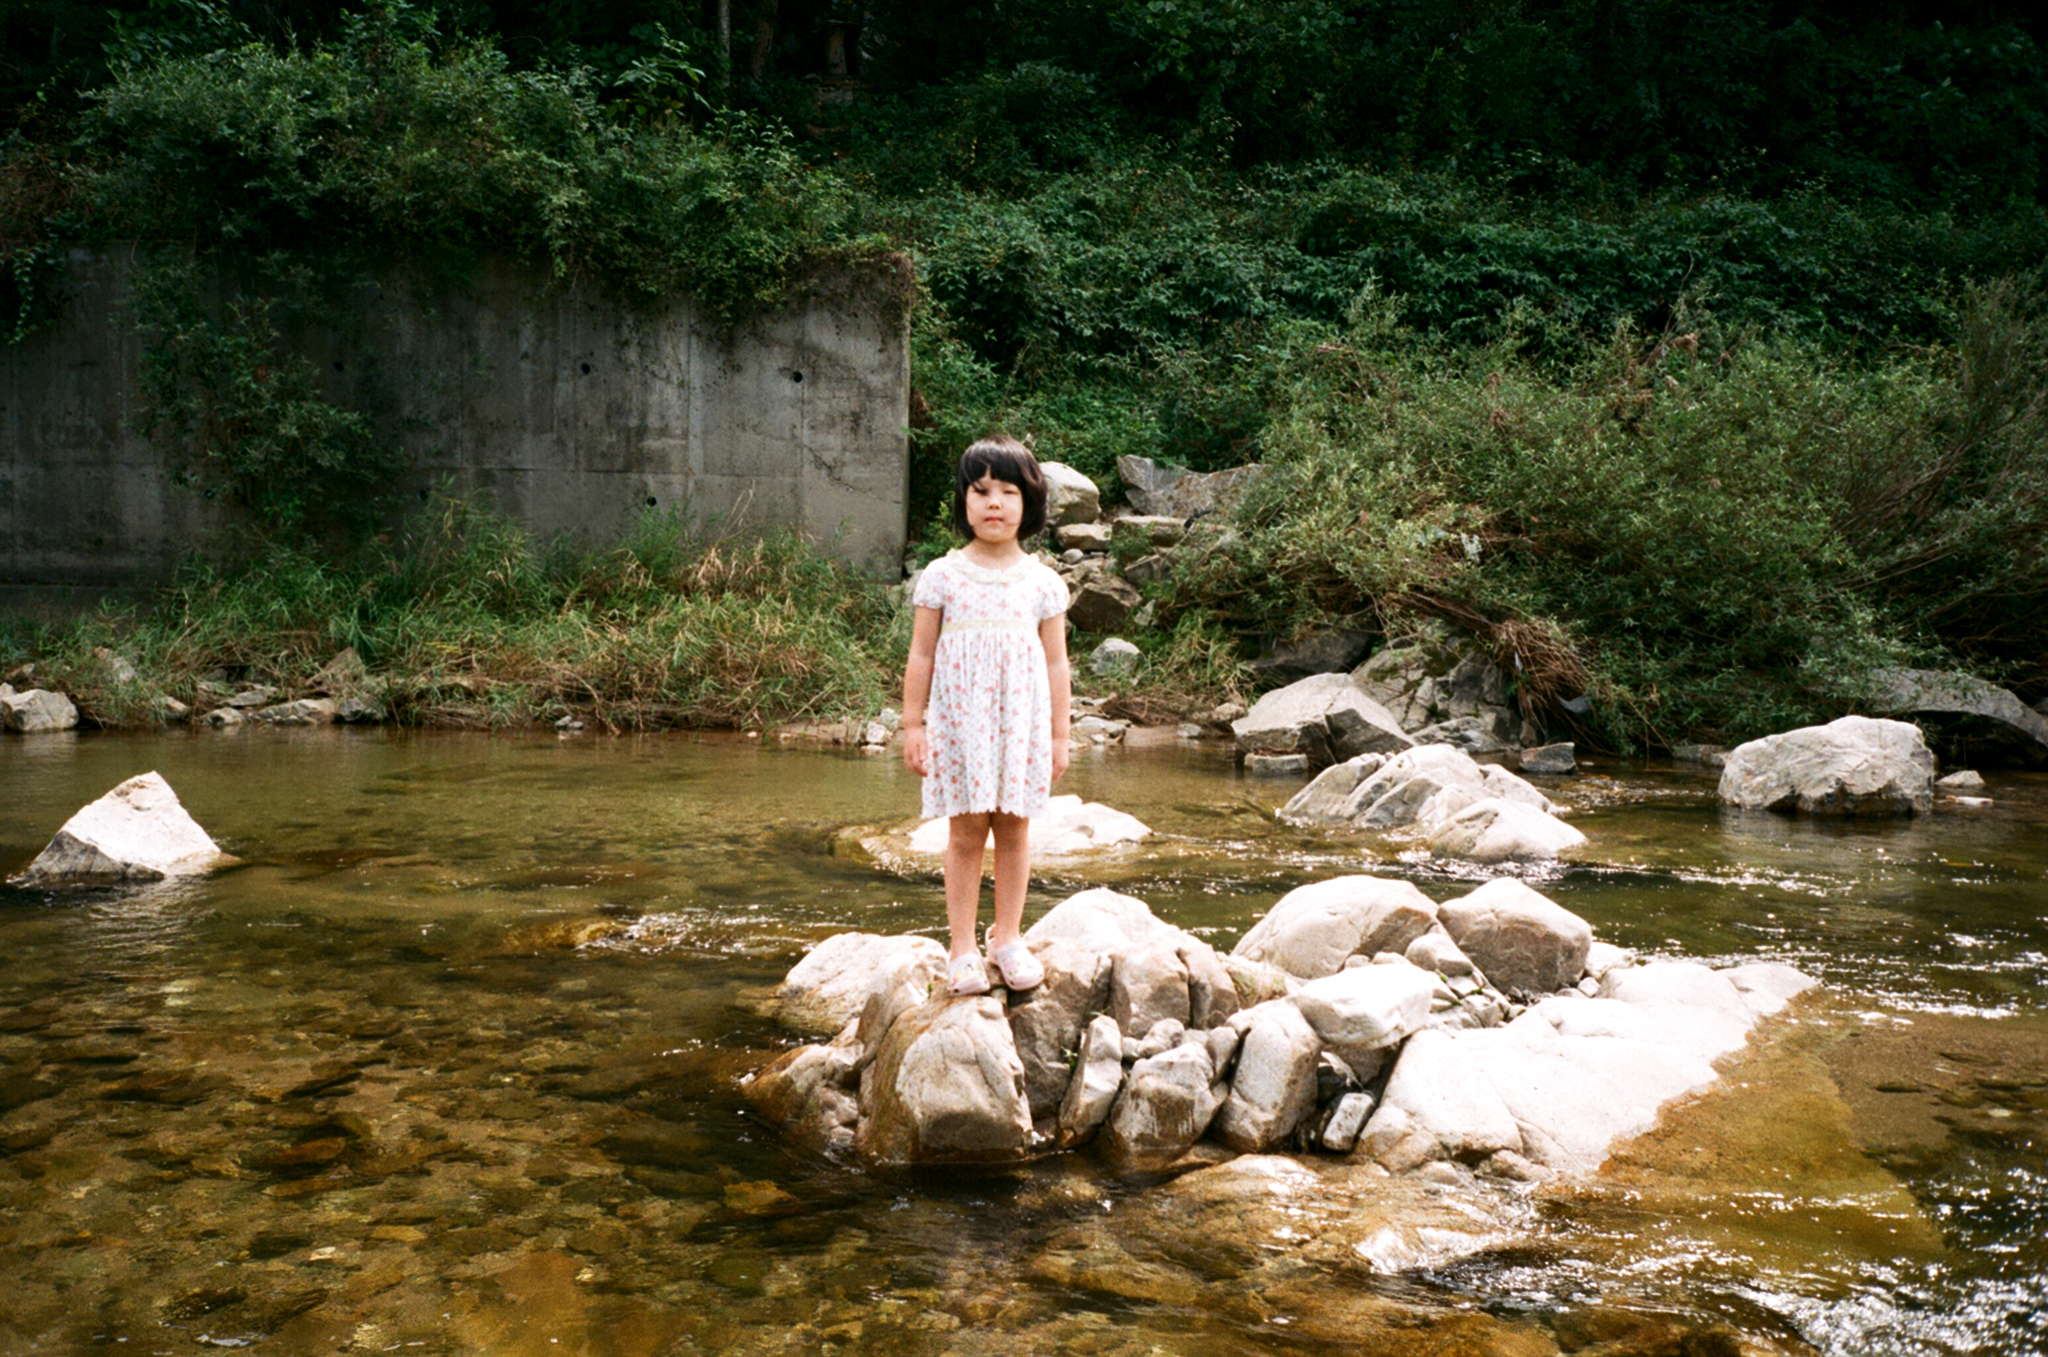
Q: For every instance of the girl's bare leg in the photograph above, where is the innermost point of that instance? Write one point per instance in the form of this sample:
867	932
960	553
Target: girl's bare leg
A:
966	837
1013	876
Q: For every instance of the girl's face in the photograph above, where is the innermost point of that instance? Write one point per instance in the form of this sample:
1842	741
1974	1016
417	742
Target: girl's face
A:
995	510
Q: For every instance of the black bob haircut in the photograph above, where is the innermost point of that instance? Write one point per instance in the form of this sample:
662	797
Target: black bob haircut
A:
1002	458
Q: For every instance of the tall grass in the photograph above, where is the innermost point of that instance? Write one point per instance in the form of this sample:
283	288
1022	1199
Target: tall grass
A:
463	620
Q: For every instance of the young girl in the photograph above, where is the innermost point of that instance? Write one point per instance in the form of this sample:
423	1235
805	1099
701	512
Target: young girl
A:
985	701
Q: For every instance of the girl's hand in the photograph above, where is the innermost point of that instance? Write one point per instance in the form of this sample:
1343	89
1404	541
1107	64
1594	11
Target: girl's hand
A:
1062	754
917	752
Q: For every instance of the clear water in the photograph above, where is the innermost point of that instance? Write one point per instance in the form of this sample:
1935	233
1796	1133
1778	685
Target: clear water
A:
449	1065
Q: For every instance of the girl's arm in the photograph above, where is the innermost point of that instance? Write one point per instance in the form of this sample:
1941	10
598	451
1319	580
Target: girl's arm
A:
1052	634
917	688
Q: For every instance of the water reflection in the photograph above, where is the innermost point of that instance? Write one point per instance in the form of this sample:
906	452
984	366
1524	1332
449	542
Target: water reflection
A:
448	1066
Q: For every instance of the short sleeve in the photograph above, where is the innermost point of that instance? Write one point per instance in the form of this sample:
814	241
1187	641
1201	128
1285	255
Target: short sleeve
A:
1053	597
931	586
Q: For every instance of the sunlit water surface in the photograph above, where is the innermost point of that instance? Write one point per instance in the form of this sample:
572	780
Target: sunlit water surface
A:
450	1065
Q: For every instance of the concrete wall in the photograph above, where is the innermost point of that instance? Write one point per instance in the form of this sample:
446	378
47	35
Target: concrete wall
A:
570	413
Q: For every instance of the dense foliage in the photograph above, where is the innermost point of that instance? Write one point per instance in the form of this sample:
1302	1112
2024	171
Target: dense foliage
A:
1689	353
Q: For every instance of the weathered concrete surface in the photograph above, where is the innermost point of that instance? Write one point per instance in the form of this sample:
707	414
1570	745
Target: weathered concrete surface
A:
568	412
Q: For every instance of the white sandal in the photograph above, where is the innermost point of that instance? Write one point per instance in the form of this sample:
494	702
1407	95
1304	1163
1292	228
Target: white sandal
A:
965	976
1020	970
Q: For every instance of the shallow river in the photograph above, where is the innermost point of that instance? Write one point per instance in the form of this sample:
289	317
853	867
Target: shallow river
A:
449	1065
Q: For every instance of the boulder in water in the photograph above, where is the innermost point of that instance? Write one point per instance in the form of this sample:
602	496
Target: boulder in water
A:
136	832
1856	766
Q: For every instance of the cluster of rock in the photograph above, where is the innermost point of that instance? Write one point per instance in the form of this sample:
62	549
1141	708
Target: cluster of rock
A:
1480	813
1107	560
338	693
139	831
1433	689
1357	1017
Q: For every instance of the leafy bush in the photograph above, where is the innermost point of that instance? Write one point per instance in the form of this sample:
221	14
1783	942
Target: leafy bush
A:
1708	534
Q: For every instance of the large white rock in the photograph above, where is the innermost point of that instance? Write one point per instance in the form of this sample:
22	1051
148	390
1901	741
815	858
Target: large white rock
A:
1857	765
1522	941
1363	1010
1325	716
945	1084
1493	830
828	988
1313	930
1067	827
1424	787
1070	497
1274	1086
37	711
1168	1101
136	832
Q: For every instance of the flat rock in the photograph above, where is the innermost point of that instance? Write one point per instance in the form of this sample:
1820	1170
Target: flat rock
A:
137	832
1069	826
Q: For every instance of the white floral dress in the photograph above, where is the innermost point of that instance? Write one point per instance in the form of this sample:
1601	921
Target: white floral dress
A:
989	719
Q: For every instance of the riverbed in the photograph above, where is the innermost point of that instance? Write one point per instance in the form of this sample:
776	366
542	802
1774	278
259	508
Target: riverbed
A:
449	1064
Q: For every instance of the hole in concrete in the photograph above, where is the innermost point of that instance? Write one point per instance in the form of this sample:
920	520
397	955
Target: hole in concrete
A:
337	365
796	376
650	501
423	496
585	367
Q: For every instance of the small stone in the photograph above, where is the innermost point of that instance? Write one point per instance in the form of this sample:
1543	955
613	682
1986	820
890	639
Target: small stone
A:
1549	760
262	695
221	718
569	723
1967	802
1962	780
359	711
1347	1119
1188	730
